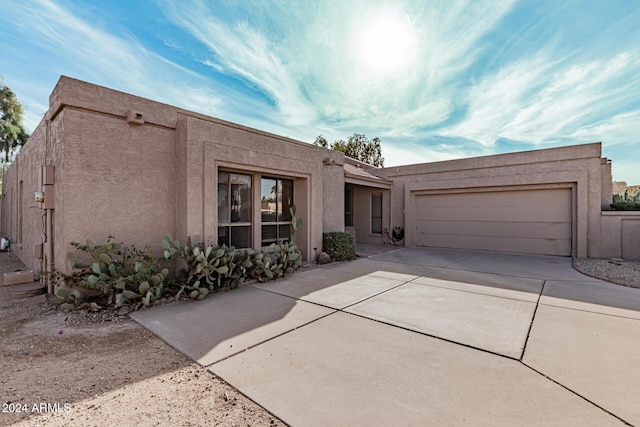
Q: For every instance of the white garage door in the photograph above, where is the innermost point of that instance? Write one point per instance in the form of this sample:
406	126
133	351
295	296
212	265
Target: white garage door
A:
526	221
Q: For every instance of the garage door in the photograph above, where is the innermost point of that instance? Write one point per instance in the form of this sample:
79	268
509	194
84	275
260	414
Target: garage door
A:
526	221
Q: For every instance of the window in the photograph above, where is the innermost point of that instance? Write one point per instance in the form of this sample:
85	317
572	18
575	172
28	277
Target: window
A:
348	206
234	209
376	213
275	201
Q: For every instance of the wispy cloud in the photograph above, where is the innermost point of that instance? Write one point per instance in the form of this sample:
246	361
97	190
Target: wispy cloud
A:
119	61
435	80
401	152
540	100
238	49
311	65
618	129
565	71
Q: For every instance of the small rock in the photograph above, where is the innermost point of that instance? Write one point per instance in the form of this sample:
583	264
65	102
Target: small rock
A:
324	258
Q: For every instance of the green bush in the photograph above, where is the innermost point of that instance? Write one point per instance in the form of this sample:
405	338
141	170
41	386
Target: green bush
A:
212	268
625	202
125	275
132	277
339	246
277	261
289	256
208	269
626	206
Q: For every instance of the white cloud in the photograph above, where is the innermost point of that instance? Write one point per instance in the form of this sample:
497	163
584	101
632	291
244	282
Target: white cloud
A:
33	114
243	50
312	65
621	128
407	154
538	100
120	62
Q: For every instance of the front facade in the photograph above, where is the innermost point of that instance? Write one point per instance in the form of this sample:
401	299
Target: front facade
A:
105	162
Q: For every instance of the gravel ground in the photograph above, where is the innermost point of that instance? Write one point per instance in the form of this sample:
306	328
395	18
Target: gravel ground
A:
626	273
83	368
105	370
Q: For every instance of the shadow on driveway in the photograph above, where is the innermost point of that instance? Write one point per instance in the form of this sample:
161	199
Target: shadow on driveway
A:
433	336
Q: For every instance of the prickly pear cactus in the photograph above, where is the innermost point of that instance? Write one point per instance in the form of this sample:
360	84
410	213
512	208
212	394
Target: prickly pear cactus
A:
126	275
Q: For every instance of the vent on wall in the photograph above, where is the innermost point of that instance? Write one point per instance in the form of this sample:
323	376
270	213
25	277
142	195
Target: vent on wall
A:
135	117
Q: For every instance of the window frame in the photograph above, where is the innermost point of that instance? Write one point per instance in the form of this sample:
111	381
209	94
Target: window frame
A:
375	196
349	196
229	224
278	223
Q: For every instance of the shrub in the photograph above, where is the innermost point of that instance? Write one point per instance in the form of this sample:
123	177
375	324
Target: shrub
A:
289	256
339	246
212	268
277	261
135	277
626	206
625	202
208	269
125	275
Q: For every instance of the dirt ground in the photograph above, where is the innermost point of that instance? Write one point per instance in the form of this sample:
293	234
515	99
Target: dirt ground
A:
77	369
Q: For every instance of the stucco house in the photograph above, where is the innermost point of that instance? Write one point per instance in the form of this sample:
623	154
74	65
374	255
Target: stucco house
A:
105	162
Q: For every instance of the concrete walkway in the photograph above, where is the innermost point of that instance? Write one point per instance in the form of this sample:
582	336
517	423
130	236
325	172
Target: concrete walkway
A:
421	336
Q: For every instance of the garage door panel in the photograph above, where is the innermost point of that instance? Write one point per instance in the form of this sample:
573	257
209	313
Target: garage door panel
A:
542	230
529	221
549	197
495	213
501	244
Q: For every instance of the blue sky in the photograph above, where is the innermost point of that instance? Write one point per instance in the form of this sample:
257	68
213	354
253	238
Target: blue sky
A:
435	80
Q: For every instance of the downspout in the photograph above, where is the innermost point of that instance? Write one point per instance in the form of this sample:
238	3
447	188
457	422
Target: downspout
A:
47	181
49	250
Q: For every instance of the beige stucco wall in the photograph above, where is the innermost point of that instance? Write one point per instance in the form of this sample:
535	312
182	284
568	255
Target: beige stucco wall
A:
119	179
620	235
333	193
580	167
16	209
607	183
23	220
116	178
142	181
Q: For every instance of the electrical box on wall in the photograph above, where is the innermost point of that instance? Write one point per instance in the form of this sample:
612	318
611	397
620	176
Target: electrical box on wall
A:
49	197
37	251
46	175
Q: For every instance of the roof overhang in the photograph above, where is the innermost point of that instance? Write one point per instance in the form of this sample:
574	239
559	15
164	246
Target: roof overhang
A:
367	182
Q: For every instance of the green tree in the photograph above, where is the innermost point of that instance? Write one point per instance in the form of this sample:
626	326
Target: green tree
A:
12	133
357	147
321	141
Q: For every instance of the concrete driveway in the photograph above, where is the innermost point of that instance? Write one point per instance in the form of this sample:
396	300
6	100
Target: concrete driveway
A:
422	336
